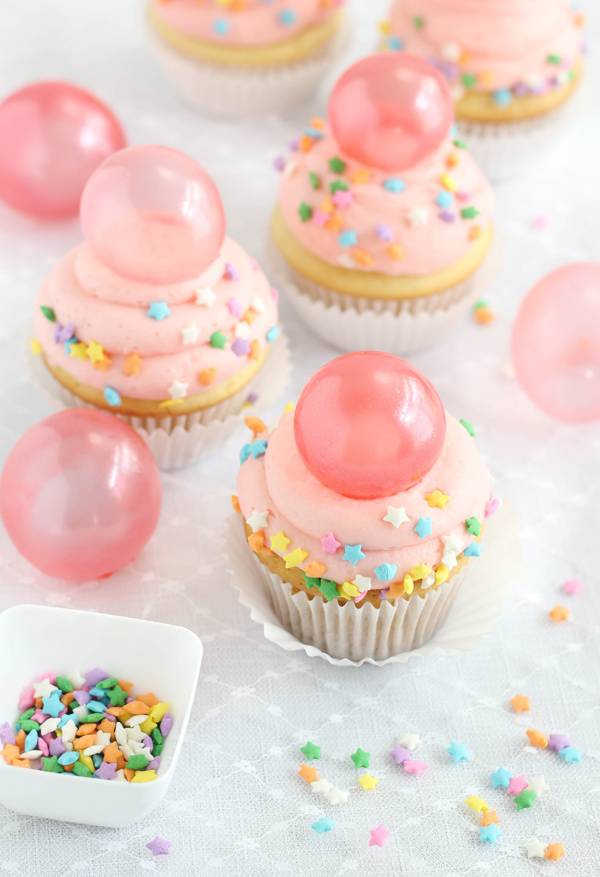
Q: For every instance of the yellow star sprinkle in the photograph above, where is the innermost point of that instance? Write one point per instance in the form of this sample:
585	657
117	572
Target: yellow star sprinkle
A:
279	542
437	499
295	558
289	407
441	574
36	347
476	804
409	585
420	572
95	352
448	183
349	590
385	27
168	402
368	782
79	350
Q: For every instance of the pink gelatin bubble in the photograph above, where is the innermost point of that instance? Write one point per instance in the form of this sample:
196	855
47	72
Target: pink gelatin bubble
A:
53	136
369	425
556	343
153	215
80	494
390	111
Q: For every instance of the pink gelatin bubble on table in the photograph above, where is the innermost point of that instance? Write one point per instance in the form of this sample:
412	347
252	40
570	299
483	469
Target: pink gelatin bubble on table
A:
80	495
556	343
53	136
369	425
153	215
390	111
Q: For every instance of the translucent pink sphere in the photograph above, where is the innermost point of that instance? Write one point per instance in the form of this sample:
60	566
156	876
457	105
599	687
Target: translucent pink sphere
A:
153	215
390	111
53	136
556	343
369	425
80	495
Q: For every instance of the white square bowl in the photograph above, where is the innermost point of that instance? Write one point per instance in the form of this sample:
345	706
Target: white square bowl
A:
156	657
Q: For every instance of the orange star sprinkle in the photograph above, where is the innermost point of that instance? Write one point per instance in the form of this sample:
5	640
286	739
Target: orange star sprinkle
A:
452	160
103	364
255	349
474	233
236	504
520	703
207	376
318	124
554	851
362	258
256	541
256	425
20	762
306	143
483	316
559	613
537	739
133	364
249	317
334	223
489	817
315	570
396	590
308	773
396	252
10	752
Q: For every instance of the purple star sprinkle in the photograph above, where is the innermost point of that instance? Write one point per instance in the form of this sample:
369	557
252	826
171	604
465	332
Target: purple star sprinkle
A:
520	89
279	163
167	722
294	145
106	771
159	846
241	347
154	764
558	742
231	271
82	697
400	754
57	747
251	400
95	676
63	333
7	735
447	216
147	741
384	233
235	307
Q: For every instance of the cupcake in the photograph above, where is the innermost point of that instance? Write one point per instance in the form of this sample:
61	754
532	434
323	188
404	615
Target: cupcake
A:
364	542
383	230
239	59
513	67
157	317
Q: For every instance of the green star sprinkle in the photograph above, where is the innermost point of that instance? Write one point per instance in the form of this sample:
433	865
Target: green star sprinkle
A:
328	589
525	799
460	144
29	725
81	770
63	684
157	749
27	715
480	304
473	526
117	696
305	211
418	22
48	313
52	766
361	758
337	165
311	582
469	212
92	719
469	427
553	59
338	186
138	762
315	181
311	751
157	736
468	80
217	339
108	683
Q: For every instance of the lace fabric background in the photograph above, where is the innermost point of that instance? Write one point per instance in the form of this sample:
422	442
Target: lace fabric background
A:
236	806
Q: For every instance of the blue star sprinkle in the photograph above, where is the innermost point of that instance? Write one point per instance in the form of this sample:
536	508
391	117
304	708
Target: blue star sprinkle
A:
158	310
503	97
221	27
458	751
490	833
323	825
501	777
245	453
444	199
258	447
52	705
112	396
353	553
288	17
272	334
423	528
347	239
394	185
571	754
473	550
386	572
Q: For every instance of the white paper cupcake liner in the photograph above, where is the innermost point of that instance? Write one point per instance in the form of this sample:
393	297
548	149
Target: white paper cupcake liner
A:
403	326
248	91
181	441
449	621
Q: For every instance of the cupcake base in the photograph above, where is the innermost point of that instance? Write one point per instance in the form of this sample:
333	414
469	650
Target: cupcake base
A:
181	440
242	91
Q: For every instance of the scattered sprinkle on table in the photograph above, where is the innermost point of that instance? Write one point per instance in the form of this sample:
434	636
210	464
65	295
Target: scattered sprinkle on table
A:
458	752
520	703
323	825
573	587
311	751
559	613
159	846
361	758
379	836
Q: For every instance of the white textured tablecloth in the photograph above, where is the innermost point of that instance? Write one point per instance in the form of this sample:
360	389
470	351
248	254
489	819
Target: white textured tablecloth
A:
236	806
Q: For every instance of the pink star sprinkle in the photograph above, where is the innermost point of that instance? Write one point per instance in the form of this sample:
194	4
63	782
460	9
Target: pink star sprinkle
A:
573	586
330	544
541	221
275	294
379	836
517	784
361	596
235	308
415	767
343	198
492	507
319	218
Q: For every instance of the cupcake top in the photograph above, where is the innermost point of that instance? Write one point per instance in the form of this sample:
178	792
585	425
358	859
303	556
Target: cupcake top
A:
498	46
414	222
251	23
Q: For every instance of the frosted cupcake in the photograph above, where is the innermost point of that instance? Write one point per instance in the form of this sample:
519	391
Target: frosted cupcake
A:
363	543
513	67
250	57
384	230
157	317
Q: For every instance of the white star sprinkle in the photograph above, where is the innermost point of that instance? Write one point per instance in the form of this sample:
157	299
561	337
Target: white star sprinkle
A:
242	329
257	520
428	582
410	741
49	726
396	516
363	583
346	261
190	333
206	297
320	787
336	796
76	679
102	740
453	543
43	688
178	390
290	168
451	52
535	848
418	216
69	730
257	304
538	786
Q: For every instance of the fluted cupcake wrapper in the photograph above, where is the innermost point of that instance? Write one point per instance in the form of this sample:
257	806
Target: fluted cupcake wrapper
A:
177	442
244	91
449	621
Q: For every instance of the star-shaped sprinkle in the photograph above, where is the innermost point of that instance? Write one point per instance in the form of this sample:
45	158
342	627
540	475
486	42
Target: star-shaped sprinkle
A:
538	786
363	583
386	572
217	339
178	390
112	396
361	758
410	741
559	613
558	742
189	333
473	550
95	351
51	764
159	310
323	825
520	703
205	296
437	499
52	705
336	796
379	836
569	753
328	589
489	833
418	216
384	233
535	848
501	777
517	785
473	526
452	544
423	528
330	544
295	558
77	350
44	688
415	767
400	754
320	787
396	516
554	851
107	771
347	239
311	751
476	804
257	520
468	426
458	751
573	586
279	542
309	774
159	846
525	799
353	553
133	364
488	817
368	782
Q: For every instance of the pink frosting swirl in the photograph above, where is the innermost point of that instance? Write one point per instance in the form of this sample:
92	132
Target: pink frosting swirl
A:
114	313
306	511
